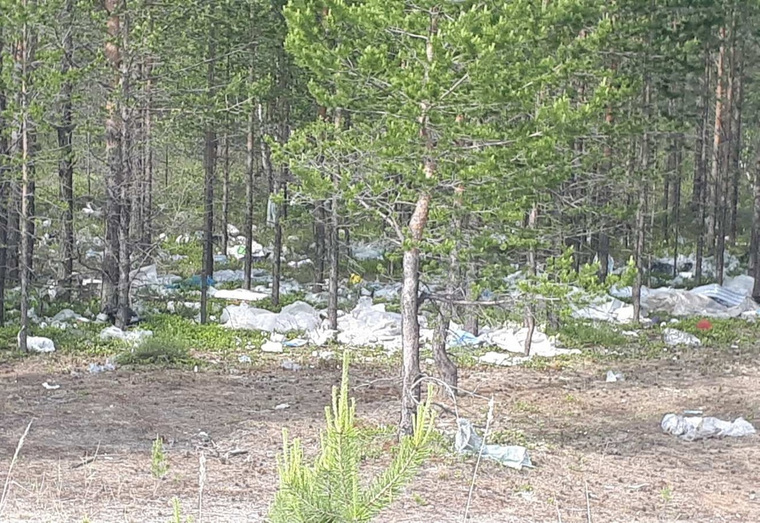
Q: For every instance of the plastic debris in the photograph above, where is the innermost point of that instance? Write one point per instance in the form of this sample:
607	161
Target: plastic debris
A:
468	441
296	342
610	309
298	316
96	368
613	376
289	365
282	406
297	264
271	346
232	230
692	428
68	315
135	337
675	337
240	294
512	340
371	325
48	386
39	344
364	252
244	358
502	359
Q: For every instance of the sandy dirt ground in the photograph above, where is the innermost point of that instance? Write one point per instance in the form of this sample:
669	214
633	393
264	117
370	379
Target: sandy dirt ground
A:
597	447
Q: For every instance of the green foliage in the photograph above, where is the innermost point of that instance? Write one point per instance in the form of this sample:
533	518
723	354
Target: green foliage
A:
585	334
158	465
158	351
207	338
330	489
177	513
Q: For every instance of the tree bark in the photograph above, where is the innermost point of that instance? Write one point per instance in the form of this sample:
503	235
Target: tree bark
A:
66	150
716	221
124	315
110	297
756	227
225	192
24	58
5	182
641	209
209	165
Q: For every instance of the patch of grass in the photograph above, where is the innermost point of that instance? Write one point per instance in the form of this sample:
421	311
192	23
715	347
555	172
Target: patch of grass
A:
177	513
208	338
158	465
666	493
509	437
81	338
158	351
581	334
724	332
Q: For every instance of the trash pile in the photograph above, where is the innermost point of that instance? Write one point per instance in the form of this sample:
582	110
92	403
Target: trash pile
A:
298	316
693	428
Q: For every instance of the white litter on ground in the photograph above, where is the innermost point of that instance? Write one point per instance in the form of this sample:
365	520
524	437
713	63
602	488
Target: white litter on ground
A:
692	428
135	337
39	344
674	337
468	441
240	294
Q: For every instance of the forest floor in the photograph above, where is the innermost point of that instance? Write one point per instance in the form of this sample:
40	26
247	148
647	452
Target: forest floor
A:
597	447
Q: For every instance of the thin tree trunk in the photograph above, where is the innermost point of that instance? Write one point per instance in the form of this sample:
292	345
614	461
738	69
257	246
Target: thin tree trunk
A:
147	237
66	161
716	222
334	248
530	316
641	209
320	235
226	193
209	164
126	186
410	326
756	227
250	162
279	183
736	143
110	297
5	182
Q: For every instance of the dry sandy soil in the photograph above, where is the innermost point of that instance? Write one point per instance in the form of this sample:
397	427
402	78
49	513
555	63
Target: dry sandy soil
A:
598	451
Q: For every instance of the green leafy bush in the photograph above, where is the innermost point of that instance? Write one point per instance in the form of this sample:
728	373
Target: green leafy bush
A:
157	351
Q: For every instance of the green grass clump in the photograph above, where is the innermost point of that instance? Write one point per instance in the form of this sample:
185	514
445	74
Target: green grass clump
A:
158	351
580	334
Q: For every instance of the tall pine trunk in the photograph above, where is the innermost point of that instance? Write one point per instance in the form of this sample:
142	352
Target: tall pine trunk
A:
5	182
66	151
209	167
716	222
113	182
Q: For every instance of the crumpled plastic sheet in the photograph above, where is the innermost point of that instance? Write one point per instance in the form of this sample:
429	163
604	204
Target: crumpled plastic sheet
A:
467	440
674	337
369	251
40	344
371	325
298	316
610	309
240	294
692	428
708	300
135	337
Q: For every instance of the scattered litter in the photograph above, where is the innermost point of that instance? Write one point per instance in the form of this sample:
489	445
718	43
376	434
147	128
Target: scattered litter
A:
675	337
289	365
630	334
514	341
468	441
232	230
281	406
323	354
298	316
244	358
691	428
371	325
297	342
364	252
240	294
174	307
135	337
48	386
96	368
297	264
613	376
67	315
695	412
502	359
609	309
271	346
39	344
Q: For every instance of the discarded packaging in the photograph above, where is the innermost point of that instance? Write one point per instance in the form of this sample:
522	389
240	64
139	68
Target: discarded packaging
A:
675	337
132	337
514	341
240	294
468	441
48	386
298	316
613	376
39	344
96	368
244	358
290	365
691	428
